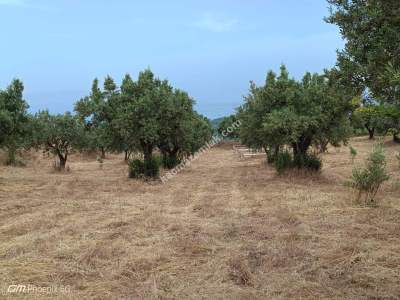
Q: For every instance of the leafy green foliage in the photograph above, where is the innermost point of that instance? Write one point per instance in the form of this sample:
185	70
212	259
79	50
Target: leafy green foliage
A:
295	114
215	124
368	117
152	167
369	179
271	154
136	168
144	168
307	161
143	116
283	161
374	117
353	154
58	134
392	75
96	111
390	122
226	129
154	115
371	59
176	132
138	111
14	120
201	132
170	162
372	35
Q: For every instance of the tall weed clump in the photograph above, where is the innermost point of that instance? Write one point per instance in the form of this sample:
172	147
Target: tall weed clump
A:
353	154
284	160
149	168
308	161
368	180
170	162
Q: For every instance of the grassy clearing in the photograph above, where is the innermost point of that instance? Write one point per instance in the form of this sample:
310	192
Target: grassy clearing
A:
222	229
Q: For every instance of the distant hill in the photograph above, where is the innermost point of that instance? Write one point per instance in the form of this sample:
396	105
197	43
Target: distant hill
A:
215	123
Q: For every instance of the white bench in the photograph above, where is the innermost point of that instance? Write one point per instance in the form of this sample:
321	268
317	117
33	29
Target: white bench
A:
245	152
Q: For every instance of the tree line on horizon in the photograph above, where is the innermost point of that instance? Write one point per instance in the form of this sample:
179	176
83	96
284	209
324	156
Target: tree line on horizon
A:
286	117
138	117
361	94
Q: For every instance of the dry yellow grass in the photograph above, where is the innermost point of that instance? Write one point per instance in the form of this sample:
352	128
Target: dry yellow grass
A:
222	229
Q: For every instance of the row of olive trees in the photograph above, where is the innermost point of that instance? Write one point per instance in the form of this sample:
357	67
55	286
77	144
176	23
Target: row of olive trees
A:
377	118
141	116
287	117
370	63
370	60
285	114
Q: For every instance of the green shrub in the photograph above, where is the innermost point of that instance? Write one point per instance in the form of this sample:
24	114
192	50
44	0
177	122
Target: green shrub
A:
369	179
170	162
270	156
148	168
353	154
99	159
283	161
307	161
136	168
16	163
152	167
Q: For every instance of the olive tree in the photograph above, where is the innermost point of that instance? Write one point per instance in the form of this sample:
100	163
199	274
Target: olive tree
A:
201	132
296	114
176	128
139	113
58	134
144	116
97	111
370	59
390	122
14	120
154	115
368	117
226	123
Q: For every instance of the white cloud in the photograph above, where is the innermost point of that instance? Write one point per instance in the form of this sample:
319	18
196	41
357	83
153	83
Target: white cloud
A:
216	24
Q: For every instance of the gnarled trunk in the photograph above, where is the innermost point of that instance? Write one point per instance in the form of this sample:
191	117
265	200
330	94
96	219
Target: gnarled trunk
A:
396	137
170	157
11	156
301	146
323	146
371	132
62	159
103	152
127	155
147	152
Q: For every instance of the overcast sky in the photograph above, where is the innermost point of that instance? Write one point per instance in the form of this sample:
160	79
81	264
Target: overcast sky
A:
210	48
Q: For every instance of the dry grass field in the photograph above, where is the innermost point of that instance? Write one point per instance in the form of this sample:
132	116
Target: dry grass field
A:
222	229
